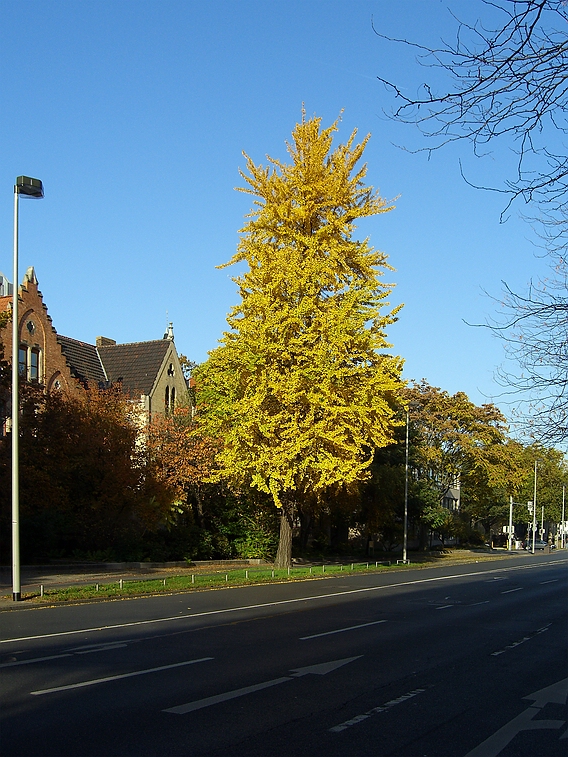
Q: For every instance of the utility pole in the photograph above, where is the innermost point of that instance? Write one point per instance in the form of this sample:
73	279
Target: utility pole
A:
534	510
510	524
563	528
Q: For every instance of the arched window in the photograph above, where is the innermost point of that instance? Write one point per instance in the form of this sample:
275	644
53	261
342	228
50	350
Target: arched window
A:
167	400
173	399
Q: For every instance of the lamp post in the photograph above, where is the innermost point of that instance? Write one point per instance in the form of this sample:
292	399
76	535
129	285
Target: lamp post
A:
534	510
563	529
510	539
27	187
405	532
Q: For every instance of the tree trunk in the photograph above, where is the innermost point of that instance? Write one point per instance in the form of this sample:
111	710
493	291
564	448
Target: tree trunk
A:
284	553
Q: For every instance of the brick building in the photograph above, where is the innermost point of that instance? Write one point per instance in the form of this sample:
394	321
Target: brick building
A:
149	372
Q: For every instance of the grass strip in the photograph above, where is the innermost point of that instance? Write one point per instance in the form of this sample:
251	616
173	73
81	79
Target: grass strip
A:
198	581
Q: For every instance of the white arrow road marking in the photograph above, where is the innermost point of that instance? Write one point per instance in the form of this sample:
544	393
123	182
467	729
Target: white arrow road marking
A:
199	704
555	694
341	630
94	681
324	667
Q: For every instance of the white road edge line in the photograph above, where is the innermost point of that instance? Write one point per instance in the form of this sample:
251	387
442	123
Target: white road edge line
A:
341	630
279	602
95	681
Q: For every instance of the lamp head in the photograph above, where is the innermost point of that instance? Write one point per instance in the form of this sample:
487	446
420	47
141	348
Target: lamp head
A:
28	187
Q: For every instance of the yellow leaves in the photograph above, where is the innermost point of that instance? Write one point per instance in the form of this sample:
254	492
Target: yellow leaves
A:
301	390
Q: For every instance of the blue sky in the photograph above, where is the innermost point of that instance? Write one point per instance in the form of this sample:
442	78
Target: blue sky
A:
135	114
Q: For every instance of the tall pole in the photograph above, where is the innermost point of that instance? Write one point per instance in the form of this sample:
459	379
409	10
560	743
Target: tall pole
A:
542	524
510	524
28	187
16	585
563	529
405	532
534	511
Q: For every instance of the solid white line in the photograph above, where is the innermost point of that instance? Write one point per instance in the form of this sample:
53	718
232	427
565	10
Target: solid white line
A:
275	604
208	701
509	591
341	630
444	607
94	681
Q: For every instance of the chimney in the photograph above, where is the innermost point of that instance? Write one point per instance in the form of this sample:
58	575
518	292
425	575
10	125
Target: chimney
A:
104	341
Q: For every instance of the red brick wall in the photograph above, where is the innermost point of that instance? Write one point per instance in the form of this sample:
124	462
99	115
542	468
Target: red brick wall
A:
53	366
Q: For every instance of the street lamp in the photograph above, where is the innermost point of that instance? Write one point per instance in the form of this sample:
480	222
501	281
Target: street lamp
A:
534	509
405	531
563	529
27	187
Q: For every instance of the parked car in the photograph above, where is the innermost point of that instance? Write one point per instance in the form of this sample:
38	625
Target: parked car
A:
538	544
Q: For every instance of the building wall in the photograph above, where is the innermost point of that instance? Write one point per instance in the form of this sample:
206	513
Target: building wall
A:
38	338
170	385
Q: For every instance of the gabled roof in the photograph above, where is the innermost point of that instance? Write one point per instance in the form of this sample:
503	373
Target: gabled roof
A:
136	364
83	360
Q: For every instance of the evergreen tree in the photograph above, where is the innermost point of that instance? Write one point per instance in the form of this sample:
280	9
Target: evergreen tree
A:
301	391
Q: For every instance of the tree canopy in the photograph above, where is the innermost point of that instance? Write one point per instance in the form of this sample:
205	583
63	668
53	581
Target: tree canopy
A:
301	389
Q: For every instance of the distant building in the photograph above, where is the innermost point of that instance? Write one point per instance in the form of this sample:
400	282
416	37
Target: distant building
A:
149	372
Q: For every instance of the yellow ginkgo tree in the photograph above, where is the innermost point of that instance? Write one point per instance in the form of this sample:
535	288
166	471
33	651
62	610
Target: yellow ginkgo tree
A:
301	390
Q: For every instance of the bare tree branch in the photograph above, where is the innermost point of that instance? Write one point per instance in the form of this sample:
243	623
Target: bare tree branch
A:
509	83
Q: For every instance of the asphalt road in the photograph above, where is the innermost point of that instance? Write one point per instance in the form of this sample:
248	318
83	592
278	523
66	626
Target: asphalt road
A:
462	661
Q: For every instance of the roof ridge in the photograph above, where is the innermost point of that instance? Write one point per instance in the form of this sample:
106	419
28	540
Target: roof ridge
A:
131	344
77	341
